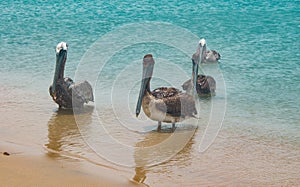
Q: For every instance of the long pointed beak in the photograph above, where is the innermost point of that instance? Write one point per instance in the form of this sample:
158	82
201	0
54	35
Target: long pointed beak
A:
196	59
141	95
195	74
61	58
148	65
203	53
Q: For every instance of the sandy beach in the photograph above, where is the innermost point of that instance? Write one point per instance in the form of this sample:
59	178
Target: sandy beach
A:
46	148
23	166
25	155
239	163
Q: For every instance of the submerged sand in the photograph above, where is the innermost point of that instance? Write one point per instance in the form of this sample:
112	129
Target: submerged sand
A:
30	130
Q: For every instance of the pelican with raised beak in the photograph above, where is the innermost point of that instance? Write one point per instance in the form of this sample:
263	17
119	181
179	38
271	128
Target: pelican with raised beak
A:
63	90
163	104
205	85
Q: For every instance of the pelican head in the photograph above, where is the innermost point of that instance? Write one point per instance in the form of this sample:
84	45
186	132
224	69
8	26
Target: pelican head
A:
61	46
148	65
61	57
202	42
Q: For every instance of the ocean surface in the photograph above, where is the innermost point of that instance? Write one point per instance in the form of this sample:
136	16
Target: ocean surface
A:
253	122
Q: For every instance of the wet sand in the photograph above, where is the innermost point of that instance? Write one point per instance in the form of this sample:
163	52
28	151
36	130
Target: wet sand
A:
26	159
23	166
47	149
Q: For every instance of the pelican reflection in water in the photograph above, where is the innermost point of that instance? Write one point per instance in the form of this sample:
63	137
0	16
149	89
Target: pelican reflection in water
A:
157	148
63	132
163	104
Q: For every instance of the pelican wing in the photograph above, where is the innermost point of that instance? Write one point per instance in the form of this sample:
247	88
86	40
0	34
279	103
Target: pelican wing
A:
212	56
179	105
188	105
210	83
205	85
165	92
187	85
83	90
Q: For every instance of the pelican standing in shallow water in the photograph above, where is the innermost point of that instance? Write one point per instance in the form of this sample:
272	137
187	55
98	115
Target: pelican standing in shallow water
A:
63	90
163	104
205	85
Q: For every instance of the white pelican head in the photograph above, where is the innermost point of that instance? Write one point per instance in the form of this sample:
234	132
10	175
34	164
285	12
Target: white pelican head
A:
202	42
60	46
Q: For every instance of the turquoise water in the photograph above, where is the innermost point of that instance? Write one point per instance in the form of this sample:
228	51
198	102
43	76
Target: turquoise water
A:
258	42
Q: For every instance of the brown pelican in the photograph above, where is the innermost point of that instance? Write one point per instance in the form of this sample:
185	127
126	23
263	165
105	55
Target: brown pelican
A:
163	104
212	56
205	85
62	88
209	56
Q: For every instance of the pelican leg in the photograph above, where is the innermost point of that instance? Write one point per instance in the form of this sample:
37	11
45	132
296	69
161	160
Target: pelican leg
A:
159	126
173	127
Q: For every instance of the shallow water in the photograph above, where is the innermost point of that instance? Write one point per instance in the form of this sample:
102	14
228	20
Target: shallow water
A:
257	141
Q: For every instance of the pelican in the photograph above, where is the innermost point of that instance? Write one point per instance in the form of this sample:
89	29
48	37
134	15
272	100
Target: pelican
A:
212	56
205	85
209	56
62	87
163	104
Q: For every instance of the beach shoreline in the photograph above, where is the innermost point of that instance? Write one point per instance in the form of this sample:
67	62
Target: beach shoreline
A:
46	148
28	166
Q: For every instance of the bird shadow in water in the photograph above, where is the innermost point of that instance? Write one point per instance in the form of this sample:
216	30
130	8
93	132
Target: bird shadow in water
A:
147	160
63	133
166	128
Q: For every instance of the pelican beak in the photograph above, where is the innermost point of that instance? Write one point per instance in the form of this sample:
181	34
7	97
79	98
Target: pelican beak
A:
141	95
195	60
148	65
61	57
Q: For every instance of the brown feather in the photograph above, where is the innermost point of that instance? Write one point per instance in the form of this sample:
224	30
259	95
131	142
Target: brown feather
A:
82	93
206	85
174	102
